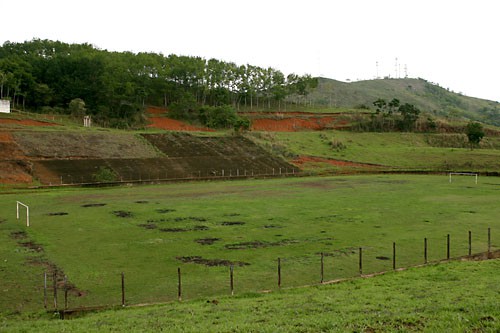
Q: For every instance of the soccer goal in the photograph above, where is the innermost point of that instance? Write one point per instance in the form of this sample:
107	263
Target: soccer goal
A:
463	174
19	203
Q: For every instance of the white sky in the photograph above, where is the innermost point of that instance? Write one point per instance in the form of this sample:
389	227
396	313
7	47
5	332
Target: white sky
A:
454	43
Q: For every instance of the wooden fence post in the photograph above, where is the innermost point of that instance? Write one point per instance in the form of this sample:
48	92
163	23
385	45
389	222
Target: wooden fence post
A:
360	261
394	255
65	292
45	289
322	267
123	288
425	250
231	273
279	272
470	243
54	285
489	242
179	284
448	247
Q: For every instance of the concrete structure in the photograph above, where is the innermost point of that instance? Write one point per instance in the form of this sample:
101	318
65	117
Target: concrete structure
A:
4	106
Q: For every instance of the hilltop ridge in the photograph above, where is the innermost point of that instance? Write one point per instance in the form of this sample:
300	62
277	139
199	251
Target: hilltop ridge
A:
429	97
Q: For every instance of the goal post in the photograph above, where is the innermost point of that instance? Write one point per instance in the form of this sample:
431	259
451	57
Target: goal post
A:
464	174
19	203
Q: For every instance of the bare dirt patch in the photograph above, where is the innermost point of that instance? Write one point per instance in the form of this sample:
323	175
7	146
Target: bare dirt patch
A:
207	241
57	214
211	262
195	228
258	244
148	226
175	125
233	223
26	122
303	160
122	213
94	205
18	235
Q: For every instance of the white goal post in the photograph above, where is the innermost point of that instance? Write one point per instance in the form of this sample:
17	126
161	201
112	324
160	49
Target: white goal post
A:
19	203
463	174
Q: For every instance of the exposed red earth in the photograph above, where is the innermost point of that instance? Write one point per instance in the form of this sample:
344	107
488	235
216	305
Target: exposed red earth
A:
302	160
26	122
14	167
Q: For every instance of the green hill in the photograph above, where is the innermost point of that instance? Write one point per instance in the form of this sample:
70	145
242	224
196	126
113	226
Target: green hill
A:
427	96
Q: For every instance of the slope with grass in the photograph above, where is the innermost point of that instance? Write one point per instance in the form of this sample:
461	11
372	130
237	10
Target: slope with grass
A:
428	97
453	297
378	152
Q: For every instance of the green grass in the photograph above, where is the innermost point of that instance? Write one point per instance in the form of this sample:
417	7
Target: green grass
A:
296	220
452	297
403	151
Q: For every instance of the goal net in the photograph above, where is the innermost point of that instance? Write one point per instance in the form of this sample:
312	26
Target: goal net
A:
463	174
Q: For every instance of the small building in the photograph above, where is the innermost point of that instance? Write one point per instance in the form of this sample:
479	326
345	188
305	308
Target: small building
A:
4	106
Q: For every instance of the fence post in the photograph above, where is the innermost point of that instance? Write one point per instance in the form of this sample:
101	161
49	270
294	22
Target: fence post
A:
65	292
470	243
360	261
279	272
123	289
448	247
45	289
394	255
425	250
231	273
322	267
179	284
489	242
54	284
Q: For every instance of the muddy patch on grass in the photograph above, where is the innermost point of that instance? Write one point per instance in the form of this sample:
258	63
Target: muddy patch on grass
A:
94	205
211	262
18	235
122	213
148	226
190	218
233	223
258	244
206	241
51	269
232	214
165	210
32	246
382	258
2	221
142	201
195	228
272	226
57	214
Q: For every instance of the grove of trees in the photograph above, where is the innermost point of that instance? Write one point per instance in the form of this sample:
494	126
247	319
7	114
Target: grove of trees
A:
114	87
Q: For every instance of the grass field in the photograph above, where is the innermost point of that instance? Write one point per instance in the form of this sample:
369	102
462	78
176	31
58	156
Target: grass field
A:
392	151
451	297
92	235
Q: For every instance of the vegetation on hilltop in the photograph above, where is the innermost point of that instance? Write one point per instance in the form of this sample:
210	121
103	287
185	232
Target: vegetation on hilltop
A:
46	76
430	98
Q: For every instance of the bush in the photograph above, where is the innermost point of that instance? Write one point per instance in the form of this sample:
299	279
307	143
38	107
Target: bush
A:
105	175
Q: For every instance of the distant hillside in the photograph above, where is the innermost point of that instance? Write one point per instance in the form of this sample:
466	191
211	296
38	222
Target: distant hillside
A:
428	97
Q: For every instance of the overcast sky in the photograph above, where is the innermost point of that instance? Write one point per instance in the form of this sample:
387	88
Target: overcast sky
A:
454	43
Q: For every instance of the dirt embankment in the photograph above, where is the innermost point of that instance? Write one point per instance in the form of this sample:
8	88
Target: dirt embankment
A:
14	166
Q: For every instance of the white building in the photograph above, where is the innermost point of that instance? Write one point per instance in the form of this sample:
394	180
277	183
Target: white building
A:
4	106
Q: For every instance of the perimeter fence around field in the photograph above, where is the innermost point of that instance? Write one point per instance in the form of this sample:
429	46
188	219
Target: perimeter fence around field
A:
166	176
197	277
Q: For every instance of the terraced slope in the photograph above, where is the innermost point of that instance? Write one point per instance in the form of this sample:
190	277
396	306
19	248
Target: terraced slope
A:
67	158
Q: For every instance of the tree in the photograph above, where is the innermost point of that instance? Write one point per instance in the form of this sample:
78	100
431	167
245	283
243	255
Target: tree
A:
77	107
475	133
409	113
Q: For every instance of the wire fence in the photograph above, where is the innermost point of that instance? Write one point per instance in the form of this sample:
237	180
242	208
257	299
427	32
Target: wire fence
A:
213	279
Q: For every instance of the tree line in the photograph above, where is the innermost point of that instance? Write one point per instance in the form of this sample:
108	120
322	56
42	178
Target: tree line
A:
46	76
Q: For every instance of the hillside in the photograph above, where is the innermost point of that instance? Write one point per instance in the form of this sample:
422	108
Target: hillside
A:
430	98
